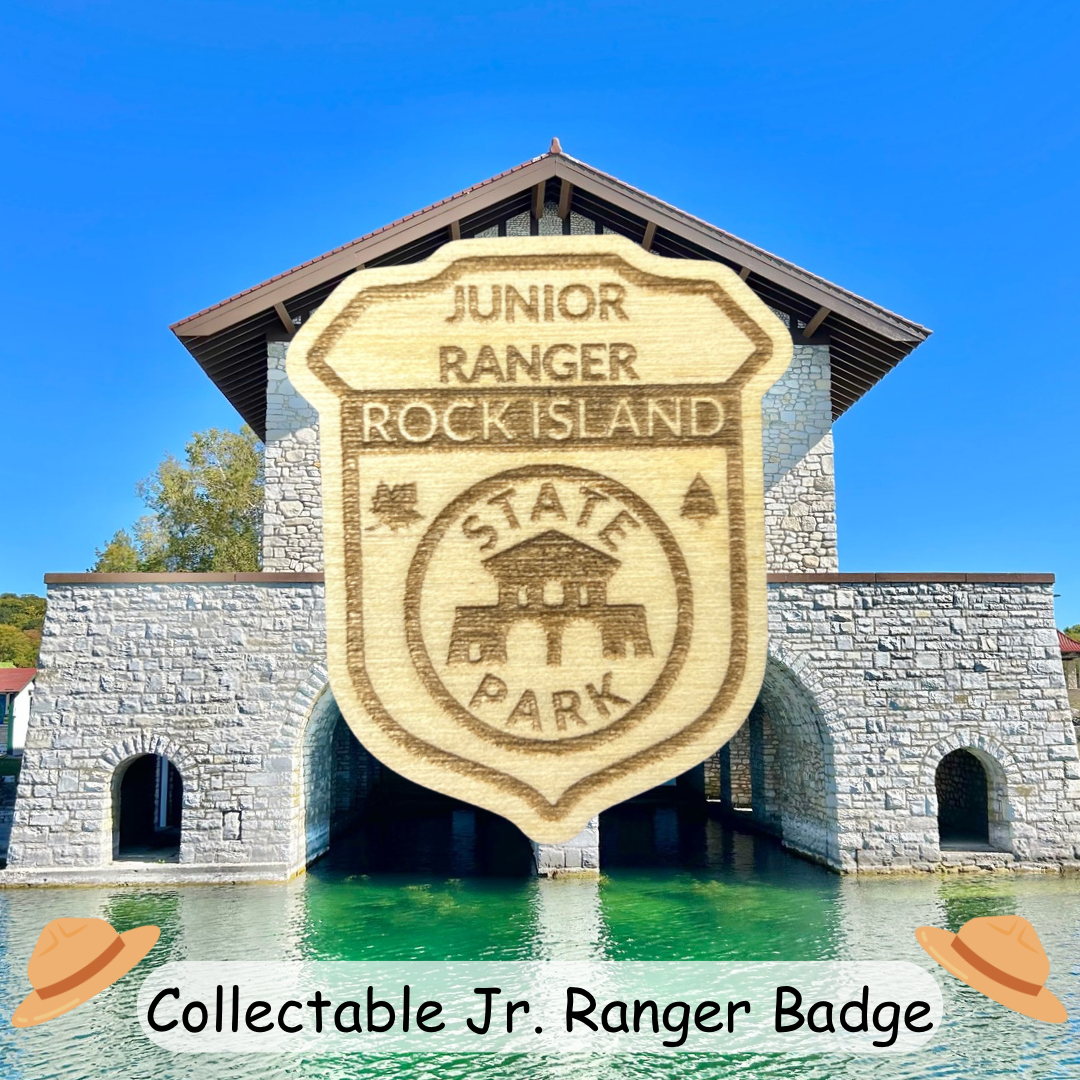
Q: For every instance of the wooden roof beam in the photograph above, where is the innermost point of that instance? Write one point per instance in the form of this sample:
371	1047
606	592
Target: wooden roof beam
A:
744	273
565	192
286	318
538	200
455	230
650	235
820	316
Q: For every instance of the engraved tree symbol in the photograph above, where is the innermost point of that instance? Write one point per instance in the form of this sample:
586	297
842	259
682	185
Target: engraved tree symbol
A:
698	502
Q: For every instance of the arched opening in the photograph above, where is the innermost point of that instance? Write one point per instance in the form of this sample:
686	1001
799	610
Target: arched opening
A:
367	819
337	778
775	773
773	777
148	800
963	796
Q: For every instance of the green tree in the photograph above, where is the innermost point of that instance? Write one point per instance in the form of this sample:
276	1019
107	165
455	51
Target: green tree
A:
1073	632
21	618
205	512
16	648
118	556
26	612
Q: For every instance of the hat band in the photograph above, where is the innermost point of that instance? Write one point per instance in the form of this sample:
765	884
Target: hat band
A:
84	973
1003	977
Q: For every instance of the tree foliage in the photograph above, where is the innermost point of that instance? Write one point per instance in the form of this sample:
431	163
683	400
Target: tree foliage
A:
1073	632
21	618
205	512
118	556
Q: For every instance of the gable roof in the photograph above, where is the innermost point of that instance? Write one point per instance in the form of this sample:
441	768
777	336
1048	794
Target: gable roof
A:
1066	644
13	680
229	338
551	554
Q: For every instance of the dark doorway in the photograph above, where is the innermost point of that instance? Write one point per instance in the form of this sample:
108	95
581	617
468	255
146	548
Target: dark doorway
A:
148	804
405	828
963	802
370	820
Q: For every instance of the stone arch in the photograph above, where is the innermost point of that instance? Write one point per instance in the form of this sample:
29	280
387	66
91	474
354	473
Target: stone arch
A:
792	766
338	785
299	710
779	765
306	708
332	775
314	794
1001	771
113	765
147	799
149	743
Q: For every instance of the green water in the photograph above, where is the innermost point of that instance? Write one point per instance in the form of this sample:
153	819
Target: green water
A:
700	892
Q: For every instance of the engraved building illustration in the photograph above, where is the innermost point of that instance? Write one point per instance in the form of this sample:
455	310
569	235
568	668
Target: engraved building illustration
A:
551	579
907	722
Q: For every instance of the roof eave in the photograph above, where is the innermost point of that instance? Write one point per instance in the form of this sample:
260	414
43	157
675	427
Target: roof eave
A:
443	214
860	310
351	256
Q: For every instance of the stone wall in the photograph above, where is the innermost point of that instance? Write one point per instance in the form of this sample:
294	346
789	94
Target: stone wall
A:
874	683
218	678
797	446
727	772
800	500
869	685
292	507
580	855
738	780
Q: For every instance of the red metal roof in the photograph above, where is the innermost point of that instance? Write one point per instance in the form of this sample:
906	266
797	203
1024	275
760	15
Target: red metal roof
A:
1067	644
14	679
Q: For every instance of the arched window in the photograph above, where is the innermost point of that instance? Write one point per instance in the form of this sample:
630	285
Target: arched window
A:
963	801
148	798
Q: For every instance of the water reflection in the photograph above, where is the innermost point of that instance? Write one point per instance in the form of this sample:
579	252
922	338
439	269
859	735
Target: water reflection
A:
415	831
569	921
672	888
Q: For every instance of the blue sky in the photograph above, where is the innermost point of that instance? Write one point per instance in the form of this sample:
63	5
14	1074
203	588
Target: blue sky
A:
160	157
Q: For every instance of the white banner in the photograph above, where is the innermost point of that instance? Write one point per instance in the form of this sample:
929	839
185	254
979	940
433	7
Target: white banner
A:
541	1007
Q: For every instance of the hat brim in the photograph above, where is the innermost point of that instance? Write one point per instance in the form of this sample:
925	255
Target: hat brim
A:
36	1009
1041	1006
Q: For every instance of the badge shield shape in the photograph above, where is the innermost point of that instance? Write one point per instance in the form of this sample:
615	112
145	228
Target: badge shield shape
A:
543	516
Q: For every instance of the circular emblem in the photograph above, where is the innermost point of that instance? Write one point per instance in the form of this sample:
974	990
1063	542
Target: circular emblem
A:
548	604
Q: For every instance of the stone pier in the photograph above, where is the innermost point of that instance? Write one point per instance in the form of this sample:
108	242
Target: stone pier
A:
576	856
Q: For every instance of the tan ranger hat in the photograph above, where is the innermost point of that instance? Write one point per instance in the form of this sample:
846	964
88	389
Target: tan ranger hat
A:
1001	957
74	959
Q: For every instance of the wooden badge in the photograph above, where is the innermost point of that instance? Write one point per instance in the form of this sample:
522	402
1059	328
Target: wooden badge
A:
543	516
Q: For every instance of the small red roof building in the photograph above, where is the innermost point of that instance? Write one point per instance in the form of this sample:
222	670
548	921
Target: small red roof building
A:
15	680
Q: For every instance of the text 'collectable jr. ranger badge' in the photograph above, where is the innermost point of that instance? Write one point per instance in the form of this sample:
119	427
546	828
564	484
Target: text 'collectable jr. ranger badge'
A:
543	516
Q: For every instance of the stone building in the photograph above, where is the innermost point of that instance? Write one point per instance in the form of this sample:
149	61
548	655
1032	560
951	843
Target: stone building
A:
551	579
906	721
